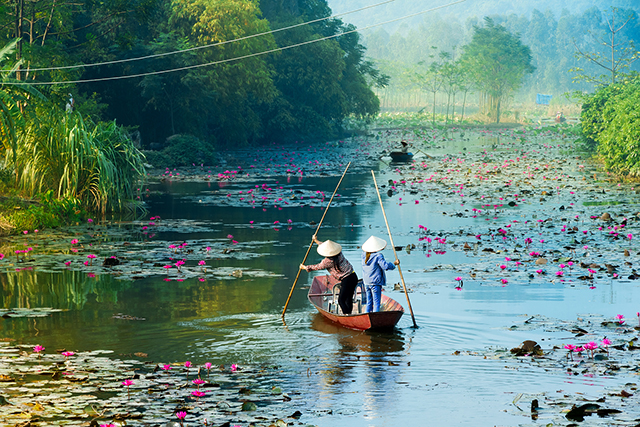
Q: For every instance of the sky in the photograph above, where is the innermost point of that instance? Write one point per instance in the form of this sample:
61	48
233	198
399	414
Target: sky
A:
395	9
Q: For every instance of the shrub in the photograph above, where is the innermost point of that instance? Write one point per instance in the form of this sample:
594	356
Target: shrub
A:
591	116
619	140
94	163
182	150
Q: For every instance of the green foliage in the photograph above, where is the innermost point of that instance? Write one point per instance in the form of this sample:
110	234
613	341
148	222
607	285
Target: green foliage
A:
619	138
591	117
77	159
12	97
319	84
497	62
182	150
226	89
49	213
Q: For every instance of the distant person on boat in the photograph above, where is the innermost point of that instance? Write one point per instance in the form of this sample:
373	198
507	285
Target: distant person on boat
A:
560	117
337	266
373	268
404	147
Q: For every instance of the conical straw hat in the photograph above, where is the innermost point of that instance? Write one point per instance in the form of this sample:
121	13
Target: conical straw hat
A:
374	244
329	248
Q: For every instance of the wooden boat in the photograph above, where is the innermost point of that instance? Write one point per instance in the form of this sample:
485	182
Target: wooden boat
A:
399	156
323	294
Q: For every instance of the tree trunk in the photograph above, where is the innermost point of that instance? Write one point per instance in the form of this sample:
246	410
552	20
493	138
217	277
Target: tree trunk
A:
46	30
453	108
433	120
464	101
18	33
446	117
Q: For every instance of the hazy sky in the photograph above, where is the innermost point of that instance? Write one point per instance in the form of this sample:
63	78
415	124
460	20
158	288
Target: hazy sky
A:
400	8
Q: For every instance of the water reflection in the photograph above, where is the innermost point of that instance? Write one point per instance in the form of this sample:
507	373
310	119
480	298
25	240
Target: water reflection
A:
363	362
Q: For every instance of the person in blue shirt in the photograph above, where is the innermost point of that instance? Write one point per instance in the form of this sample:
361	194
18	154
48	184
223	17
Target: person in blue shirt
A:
373	268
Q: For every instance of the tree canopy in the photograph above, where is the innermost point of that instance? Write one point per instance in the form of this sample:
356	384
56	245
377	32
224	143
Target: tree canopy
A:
497	62
304	91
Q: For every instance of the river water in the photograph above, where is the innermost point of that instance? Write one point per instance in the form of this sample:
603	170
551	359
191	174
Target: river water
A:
452	369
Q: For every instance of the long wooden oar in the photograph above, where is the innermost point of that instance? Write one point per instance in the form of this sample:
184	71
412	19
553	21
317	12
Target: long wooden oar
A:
394	250
311	245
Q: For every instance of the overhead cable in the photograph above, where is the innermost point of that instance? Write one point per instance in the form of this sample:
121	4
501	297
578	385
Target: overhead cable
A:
157	55
190	67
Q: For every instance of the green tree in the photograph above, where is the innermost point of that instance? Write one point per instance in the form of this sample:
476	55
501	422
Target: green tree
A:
429	78
13	104
452	75
170	94
320	83
229	101
498	62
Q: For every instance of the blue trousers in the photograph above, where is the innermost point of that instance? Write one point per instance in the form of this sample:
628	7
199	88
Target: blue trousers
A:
374	294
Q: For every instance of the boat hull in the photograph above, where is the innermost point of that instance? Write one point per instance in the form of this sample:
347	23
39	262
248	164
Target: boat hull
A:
398	156
322	297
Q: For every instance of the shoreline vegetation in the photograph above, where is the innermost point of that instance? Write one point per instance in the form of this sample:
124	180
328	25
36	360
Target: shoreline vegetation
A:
95	185
35	204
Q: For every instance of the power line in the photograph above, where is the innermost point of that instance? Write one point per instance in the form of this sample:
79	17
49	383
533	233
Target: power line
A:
119	61
230	59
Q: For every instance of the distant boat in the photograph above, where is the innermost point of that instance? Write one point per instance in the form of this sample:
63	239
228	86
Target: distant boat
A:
324	298
399	156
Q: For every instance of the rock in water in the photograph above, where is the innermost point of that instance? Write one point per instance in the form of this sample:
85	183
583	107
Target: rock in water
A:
526	348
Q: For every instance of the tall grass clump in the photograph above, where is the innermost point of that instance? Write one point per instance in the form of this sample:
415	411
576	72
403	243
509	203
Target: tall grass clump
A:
95	163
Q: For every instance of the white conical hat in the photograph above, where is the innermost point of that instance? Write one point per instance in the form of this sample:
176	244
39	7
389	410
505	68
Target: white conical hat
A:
374	244
329	248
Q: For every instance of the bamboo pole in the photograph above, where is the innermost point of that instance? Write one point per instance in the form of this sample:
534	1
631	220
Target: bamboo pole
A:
394	250
311	245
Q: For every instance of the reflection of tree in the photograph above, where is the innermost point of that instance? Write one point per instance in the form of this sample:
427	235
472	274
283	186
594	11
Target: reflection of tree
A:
65	290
